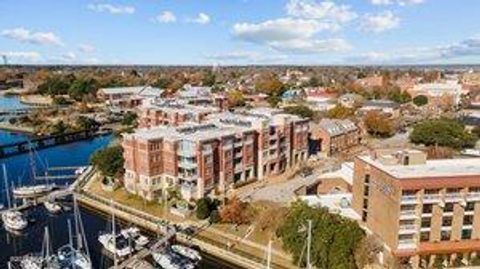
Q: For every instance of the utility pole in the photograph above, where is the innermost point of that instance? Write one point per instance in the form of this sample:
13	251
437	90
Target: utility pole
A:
269	255
309	244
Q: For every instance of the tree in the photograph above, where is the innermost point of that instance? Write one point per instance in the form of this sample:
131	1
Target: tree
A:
420	100
378	124
399	96
274	100
235	211
129	118
209	79
84	123
442	132
334	238
214	216
109	160
476	131
340	112
299	110
367	251
270	85
59	128
235	98
205	207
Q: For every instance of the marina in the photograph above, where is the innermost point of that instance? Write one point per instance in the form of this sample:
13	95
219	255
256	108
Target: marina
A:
39	217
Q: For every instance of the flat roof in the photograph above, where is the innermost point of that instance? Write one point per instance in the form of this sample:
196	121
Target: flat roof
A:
336	203
432	168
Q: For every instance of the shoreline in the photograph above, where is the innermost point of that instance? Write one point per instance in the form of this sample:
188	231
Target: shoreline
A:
17	129
236	257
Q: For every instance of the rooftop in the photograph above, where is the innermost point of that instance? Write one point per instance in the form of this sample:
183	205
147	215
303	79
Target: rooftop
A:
335	127
430	168
336	203
143	90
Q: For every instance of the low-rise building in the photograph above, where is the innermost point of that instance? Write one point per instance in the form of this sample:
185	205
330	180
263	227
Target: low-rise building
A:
386	107
210	157
172	112
128	97
441	94
335	135
423	210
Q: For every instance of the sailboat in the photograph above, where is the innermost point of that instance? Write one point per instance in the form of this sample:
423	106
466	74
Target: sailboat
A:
13	220
116	244
35	190
44	260
73	255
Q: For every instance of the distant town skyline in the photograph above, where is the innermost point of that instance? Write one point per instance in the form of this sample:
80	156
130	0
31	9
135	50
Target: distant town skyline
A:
239	32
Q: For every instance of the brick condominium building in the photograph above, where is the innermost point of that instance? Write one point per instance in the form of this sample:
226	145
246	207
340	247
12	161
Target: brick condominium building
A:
209	157
423	210
172	112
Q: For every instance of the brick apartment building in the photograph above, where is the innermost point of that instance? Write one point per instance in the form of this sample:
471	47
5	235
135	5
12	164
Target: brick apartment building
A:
210	157
128	97
334	135
172	112
423	210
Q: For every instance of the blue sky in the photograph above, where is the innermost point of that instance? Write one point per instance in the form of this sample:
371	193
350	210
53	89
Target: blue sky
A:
240	31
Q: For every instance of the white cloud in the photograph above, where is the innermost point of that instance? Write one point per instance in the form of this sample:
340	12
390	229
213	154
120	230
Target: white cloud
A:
113	9
27	36
290	35
165	17
467	47
326	10
246	56
86	48
307	46
380	22
68	57
399	2
279	30
381	2
22	56
410	2
201	18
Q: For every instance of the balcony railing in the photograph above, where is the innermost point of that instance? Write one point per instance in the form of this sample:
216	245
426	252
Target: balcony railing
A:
409	199
408	213
431	198
453	196
407	244
408	227
473	196
188	165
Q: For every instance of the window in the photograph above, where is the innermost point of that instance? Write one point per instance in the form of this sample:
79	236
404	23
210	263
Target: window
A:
426	222
364	216
365	203
445	235
468	220
366	191
448	207
474	189
424	236
447	221
470	206
453	190
467	234
431	191
367	179
427	208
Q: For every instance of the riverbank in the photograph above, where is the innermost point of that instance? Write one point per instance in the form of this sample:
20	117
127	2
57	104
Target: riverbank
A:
15	128
242	253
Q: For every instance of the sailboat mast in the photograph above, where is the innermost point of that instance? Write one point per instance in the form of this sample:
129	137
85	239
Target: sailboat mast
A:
7	190
32	160
77	228
70	239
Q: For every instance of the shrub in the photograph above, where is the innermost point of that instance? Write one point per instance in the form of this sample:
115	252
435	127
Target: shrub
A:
420	100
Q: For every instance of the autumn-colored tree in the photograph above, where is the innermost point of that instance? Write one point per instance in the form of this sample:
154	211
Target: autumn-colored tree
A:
270	85
437	152
235	211
378	124
235	98
340	112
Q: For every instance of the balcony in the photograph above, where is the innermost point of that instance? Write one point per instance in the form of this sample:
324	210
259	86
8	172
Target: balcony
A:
188	177
238	168
238	154
473	196
187	165
238	144
408	229
408	214
186	153
432	198
406	244
409	200
453	197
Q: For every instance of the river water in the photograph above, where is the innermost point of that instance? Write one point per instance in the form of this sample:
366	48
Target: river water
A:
20	173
